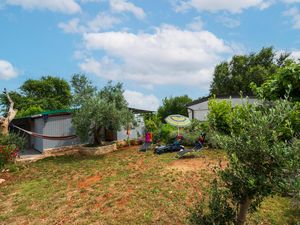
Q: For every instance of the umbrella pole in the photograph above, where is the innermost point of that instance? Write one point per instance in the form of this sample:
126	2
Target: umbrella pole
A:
178	131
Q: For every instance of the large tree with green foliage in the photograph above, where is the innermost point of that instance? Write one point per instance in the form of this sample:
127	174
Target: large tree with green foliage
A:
173	105
263	150
47	93
284	83
235	76
82	88
106	109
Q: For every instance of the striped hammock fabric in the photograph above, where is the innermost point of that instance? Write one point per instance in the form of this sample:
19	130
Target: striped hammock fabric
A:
42	136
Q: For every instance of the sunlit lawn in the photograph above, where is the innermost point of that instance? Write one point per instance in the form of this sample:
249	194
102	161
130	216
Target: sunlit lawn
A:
124	187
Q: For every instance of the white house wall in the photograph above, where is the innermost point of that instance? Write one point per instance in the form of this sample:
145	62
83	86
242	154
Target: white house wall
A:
201	109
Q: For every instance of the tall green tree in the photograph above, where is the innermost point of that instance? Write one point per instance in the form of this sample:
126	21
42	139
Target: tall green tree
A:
285	83
107	109
82	88
47	93
235	76
174	105
261	158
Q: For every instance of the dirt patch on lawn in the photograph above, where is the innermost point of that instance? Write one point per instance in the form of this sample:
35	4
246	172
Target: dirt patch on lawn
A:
88	181
194	164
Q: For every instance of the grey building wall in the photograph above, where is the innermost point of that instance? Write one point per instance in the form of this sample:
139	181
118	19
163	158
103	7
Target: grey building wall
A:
199	111
54	126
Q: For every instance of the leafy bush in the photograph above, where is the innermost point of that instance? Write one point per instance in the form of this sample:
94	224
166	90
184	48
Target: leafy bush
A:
10	146
219	115
13	139
32	110
8	153
197	126
219	212
189	139
164	133
260	159
152	122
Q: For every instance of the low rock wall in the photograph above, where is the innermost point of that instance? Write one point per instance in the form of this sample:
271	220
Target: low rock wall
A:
68	150
101	150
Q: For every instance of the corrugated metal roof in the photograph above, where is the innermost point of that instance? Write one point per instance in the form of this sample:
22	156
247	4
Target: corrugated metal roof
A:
53	112
203	99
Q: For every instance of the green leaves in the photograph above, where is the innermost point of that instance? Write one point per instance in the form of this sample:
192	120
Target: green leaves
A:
47	93
173	105
231	78
263	148
107	109
285	83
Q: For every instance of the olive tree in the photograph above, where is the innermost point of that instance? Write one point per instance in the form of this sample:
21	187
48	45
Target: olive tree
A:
107	109
263	151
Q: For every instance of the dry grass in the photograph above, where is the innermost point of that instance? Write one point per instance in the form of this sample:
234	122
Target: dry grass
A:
124	187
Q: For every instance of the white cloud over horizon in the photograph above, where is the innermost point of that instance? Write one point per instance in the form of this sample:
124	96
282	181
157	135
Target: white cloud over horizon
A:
101	22
141	101
7	70
294	14
232	6
168	56
65	6
120	6
295	55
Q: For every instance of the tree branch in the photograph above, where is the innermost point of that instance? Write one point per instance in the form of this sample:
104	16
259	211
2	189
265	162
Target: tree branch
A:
11	111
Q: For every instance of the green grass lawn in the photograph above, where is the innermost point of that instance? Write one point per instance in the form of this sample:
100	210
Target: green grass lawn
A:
124	187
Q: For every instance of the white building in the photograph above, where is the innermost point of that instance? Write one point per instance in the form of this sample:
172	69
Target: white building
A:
198	109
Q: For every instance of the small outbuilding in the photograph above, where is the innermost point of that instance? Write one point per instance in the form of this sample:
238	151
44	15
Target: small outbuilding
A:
58	123
198	109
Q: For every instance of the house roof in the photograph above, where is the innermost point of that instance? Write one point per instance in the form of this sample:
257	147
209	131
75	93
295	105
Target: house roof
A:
204	99
135	110
69	111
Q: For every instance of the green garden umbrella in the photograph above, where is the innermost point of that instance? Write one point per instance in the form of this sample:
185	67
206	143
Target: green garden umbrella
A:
178	121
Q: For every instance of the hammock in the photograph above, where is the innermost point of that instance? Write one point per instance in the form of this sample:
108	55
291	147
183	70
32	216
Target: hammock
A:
48	137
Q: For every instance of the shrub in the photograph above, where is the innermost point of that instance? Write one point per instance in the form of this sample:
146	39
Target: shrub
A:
152	122
189	139
219	115
13	139
260	160
8	153
219	211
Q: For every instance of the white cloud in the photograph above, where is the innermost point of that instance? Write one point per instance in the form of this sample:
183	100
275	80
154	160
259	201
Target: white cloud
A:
125	6
168	56
7	71
196	25
295	55
228	21
101	22
141	101
294	13
64	6
290	1
233	6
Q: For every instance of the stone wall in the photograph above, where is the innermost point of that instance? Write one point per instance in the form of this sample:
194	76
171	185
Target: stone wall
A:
98	150
68	150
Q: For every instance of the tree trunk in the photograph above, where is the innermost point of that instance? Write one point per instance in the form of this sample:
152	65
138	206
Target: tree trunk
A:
97	138
243	209
5	121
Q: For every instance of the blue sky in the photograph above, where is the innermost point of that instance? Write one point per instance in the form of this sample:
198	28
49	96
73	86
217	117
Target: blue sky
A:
157	48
